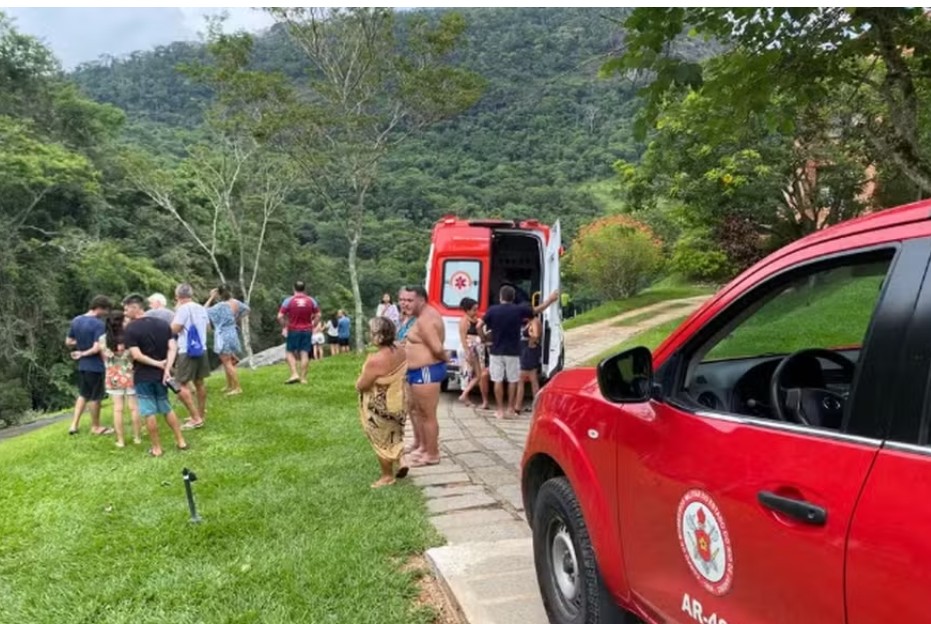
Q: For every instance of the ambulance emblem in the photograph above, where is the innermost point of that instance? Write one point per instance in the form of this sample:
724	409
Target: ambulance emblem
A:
460	280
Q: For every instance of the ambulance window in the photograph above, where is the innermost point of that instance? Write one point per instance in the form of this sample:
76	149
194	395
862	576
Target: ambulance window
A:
461	279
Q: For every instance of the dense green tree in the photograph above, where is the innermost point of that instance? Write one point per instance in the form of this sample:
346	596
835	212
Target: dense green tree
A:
874	61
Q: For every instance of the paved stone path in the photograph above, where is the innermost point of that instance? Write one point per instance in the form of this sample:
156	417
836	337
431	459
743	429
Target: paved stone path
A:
474	500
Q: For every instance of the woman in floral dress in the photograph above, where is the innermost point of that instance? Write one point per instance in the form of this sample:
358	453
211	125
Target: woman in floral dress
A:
382	401
223	316
119	376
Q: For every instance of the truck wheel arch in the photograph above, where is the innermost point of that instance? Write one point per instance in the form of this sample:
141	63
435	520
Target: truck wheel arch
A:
541	467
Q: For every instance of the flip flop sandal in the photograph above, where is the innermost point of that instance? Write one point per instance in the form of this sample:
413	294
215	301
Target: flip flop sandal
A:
189	425
402	472
73	432
104	431
421	463
151	453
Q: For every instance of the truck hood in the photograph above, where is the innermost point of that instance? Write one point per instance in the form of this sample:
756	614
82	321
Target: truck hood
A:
580	381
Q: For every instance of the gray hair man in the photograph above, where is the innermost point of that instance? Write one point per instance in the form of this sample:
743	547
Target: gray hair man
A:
158	308
190	326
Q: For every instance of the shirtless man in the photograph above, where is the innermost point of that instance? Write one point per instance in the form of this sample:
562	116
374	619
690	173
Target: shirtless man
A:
426	370
406	322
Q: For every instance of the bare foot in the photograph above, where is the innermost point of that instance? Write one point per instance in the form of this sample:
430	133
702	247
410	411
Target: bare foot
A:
137	440
499	414
120	444
484	406
383	482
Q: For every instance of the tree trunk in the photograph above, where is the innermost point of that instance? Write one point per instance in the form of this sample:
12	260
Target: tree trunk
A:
247	340
356	294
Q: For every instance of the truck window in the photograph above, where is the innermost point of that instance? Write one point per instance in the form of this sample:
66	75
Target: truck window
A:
461	279
829	309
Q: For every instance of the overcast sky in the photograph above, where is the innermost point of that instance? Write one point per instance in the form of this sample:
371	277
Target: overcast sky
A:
76	35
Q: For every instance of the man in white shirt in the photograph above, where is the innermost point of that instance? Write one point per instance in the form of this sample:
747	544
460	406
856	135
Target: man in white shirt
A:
190	325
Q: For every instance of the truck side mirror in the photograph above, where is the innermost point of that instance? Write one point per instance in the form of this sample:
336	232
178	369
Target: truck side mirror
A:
627	377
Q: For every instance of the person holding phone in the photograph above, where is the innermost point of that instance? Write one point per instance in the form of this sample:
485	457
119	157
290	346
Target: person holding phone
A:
153	348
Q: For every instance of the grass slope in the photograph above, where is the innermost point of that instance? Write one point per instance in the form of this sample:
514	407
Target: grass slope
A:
291	531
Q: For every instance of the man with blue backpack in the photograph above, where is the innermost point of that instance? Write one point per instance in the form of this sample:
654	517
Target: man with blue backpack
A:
190	325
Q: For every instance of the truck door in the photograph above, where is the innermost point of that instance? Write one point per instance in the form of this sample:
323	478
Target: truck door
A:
735	508
552	316
888	545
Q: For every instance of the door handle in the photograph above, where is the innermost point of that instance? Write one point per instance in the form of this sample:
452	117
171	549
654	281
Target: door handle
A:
800	510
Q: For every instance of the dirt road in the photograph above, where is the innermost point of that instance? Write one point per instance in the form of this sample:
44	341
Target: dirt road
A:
583	343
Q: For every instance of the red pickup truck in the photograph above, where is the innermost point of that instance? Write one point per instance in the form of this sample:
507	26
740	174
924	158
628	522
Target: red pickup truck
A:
769	462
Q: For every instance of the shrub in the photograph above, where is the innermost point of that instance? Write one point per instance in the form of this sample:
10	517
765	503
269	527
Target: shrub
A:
740	239
695	258
614	257
14	401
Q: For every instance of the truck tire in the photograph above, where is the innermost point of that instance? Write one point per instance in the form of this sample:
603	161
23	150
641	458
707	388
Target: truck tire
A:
567	573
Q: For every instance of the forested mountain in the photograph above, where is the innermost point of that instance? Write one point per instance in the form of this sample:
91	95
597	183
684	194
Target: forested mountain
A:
544	127
545	124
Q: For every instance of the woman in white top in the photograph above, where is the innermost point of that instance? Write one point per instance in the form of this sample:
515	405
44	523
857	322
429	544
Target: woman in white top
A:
388	310
318	339
332	335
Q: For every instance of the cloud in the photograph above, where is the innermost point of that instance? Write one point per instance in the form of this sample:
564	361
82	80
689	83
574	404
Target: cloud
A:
238	18
77	35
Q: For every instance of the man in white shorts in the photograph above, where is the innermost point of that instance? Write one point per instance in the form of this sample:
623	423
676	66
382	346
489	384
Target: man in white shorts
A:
504	321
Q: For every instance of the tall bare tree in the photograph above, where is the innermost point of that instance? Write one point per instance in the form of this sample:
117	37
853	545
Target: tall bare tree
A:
372	84
234	183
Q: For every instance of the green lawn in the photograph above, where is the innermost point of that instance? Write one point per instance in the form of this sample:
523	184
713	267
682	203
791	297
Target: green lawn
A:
664	291
291	533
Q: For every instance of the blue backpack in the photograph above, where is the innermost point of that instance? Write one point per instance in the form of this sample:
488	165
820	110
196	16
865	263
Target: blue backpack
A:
195	346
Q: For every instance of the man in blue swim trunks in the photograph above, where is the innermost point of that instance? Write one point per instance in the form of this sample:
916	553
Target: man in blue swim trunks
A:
426	370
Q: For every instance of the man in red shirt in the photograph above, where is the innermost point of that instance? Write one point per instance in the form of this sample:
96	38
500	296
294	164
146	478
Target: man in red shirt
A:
298	314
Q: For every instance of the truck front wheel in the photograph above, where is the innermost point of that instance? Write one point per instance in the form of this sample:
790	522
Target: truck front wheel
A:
567	573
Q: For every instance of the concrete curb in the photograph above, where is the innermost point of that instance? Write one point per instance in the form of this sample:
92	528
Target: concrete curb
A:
490	582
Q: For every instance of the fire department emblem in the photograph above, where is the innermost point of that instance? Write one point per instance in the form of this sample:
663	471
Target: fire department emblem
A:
460	280
705	542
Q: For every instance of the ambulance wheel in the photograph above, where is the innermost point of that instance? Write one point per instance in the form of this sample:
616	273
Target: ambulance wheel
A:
567	573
